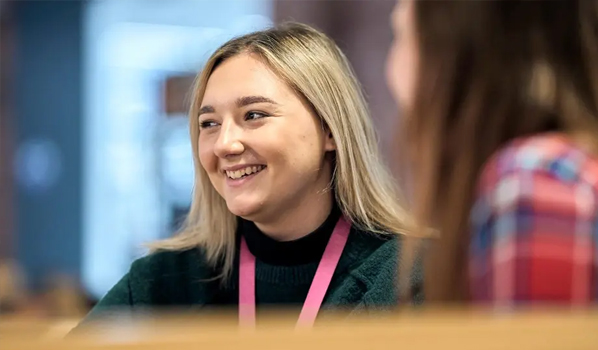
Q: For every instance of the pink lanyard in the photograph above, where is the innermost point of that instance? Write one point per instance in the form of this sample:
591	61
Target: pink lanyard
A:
317	290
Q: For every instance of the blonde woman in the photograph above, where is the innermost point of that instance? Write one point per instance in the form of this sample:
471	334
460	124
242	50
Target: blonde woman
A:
292	205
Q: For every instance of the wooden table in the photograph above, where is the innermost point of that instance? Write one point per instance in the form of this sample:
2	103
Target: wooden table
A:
463	330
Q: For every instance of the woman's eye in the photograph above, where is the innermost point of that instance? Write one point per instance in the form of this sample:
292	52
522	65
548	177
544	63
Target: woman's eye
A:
207	124
254	115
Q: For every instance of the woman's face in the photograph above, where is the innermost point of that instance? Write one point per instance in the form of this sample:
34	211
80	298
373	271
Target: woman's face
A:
261	145
402	62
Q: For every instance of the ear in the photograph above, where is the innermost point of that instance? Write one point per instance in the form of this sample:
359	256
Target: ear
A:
329	144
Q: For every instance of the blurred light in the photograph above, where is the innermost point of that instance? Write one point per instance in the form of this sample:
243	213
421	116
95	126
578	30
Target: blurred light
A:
38	165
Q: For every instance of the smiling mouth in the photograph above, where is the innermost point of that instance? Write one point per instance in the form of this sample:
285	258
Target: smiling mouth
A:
241	173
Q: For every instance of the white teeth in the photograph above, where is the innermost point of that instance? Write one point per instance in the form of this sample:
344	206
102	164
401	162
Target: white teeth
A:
245	171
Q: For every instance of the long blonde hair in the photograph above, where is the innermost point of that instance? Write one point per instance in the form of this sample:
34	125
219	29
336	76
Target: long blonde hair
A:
310	63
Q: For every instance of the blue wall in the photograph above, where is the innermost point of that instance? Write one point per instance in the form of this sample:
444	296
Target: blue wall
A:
48	107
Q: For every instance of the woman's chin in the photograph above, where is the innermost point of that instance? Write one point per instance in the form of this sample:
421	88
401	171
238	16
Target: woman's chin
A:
245	210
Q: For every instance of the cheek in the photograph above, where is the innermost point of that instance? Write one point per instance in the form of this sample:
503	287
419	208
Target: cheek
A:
400	74
307	155
298	152
207	158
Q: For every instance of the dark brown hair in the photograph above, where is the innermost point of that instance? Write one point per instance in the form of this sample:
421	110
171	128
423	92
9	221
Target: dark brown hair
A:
489	72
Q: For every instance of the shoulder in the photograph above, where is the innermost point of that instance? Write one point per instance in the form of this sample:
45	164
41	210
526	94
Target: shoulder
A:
534	184
163	277
171	277
550	156
373	248
532	171
533	174
536	203
378	258
377	270
160	278
168	264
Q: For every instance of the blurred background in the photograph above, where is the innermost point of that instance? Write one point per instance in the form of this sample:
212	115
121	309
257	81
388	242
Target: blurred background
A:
95	157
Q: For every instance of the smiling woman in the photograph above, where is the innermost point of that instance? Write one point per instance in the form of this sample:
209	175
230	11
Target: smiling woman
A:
276	133
292	204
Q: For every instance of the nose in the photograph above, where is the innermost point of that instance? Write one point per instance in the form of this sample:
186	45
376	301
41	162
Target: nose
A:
229	141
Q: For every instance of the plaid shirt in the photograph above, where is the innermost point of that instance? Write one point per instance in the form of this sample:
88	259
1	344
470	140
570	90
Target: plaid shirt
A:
535	225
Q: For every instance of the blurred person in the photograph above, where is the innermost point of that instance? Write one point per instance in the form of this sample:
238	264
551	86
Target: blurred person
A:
292	205
13	289
500	120
64	298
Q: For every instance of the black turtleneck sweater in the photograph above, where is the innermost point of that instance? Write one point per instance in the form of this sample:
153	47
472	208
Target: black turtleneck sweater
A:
284	270
365	278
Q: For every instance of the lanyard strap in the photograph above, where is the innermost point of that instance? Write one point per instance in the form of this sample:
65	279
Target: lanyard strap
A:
317	290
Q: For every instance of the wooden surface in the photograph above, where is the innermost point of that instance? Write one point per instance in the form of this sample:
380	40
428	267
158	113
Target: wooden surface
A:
448	330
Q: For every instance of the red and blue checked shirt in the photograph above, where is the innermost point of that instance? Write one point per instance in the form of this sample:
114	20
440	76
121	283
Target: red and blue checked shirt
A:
535	225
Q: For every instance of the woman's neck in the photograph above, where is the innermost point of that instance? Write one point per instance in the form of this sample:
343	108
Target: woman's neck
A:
288	251
302	220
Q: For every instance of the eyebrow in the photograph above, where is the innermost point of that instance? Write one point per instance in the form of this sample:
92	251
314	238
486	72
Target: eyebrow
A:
241	102
249	100
206	109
